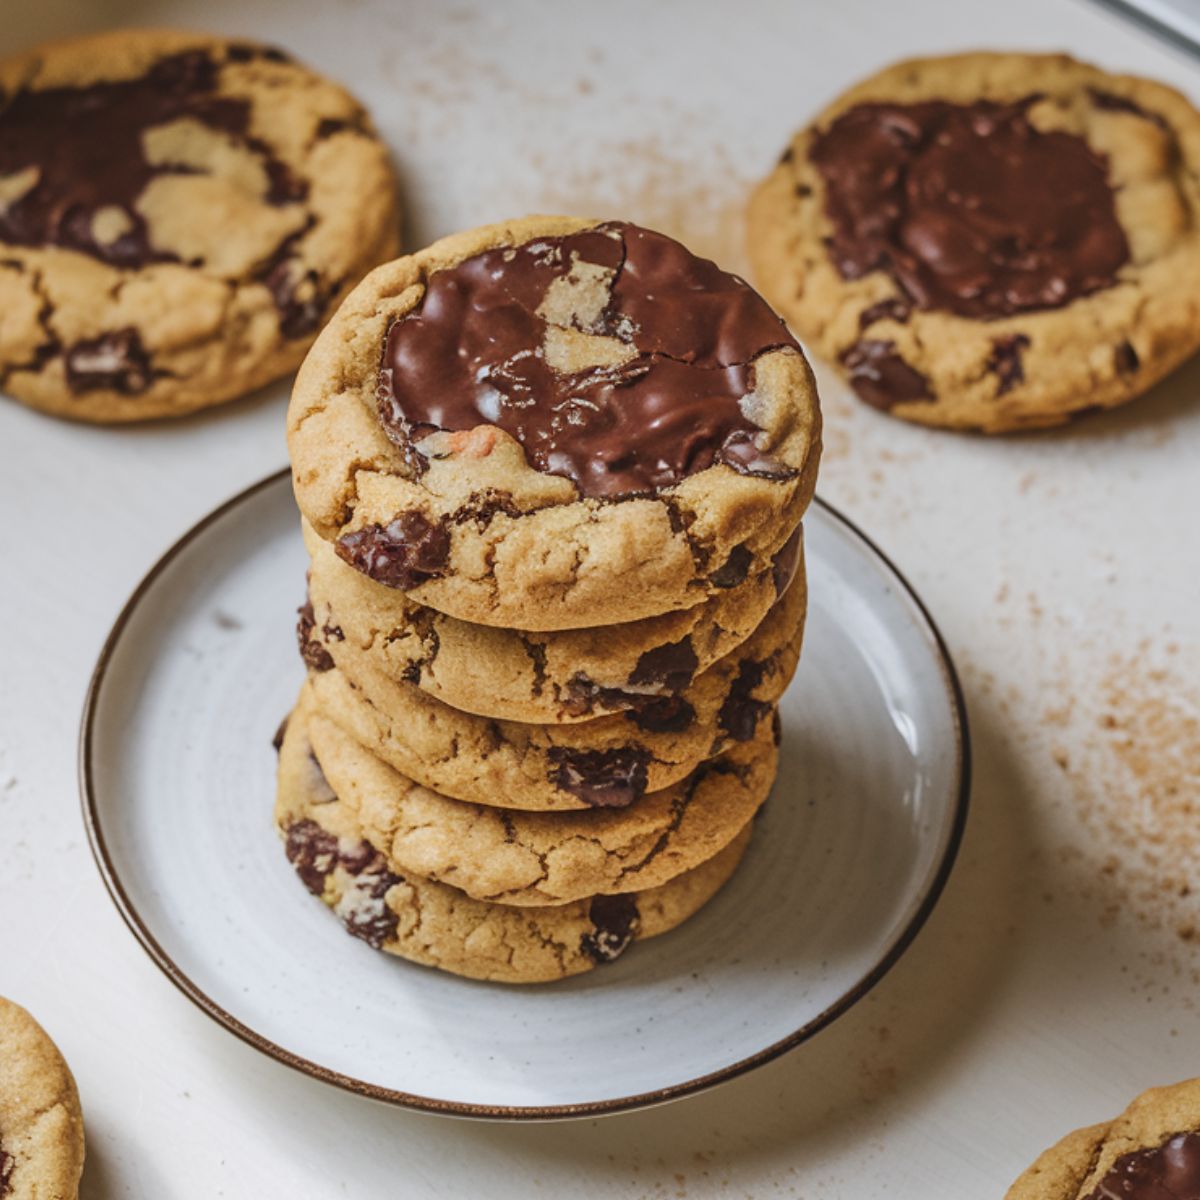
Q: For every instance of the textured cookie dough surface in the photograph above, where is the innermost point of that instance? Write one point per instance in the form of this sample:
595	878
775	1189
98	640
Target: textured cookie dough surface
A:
990	241
41	1128
1150	1152
435	924
557	677
179	214
508	429
608	762
526	858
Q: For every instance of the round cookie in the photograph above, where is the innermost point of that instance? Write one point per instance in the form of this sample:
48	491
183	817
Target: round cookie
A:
179	214
41	1127
990	241
522	858
552	678
1150	1152
553	424
608	762
435	924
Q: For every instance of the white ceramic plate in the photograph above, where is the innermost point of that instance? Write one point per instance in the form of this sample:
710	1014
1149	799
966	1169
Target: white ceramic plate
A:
847	861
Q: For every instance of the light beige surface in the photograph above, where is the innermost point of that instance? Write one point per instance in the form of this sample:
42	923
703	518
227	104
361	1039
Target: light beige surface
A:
1051	983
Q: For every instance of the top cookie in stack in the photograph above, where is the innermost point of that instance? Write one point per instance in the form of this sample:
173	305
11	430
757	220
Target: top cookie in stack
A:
552	474
555	424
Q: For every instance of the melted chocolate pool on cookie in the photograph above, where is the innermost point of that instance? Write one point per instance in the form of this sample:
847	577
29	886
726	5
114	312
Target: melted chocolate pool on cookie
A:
969	207
680	336
1168	1172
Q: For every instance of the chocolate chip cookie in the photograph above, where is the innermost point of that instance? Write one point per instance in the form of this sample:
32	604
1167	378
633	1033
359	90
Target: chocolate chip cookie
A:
990	241
523	858
608	762
435	924
179	214
1150	1152
557	677
551	423
41	1127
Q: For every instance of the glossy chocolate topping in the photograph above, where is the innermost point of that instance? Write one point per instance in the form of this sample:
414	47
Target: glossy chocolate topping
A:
680	337
1168	1172
968	206
86	147
616	919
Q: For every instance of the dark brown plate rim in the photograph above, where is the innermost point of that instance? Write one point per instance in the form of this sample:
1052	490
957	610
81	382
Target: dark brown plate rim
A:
551	1112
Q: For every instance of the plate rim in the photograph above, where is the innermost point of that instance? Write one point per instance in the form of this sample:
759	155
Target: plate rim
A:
497	1112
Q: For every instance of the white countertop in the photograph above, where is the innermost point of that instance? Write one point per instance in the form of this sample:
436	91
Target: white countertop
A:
1051	984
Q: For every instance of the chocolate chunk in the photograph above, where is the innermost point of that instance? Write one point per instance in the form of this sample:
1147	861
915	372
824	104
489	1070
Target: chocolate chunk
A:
670	666
776	728
402	554
1005	361
741	712
313	852
895	308
84	150
115	361
280	734
7	1163
483	506
299	295
616	920
473	352
601	778
1111	102
328	126
661	714
1168	1172
244	52
881	377
314	654
1126	358
968	207
786	563
734	569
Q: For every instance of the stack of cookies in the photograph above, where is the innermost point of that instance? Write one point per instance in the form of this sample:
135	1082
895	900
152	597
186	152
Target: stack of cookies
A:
552	474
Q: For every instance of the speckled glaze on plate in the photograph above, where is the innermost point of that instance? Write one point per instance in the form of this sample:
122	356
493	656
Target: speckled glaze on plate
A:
848	859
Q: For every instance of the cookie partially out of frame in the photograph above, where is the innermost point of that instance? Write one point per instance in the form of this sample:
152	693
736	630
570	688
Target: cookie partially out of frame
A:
1150	1152
990	241
179	214
439	926
554	424
41	1128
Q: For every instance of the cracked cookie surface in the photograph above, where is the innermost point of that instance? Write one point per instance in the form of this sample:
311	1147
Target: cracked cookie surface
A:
1150	1152
508	429
990	241
556	677
524	858
179	214
607	762
41	1127
438	925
